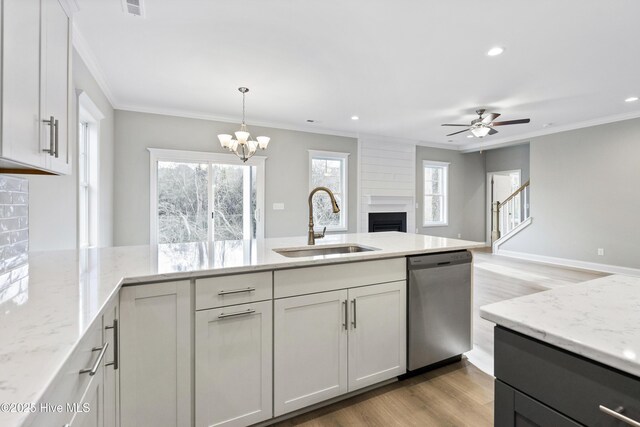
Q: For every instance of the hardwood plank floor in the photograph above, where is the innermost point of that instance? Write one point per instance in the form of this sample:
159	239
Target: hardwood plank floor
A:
459	394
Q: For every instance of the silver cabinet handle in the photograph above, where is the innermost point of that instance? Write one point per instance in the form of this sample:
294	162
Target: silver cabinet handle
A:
55	125
236	291
115	344
238	313
346	316
96	365
354	314
617	413
52	135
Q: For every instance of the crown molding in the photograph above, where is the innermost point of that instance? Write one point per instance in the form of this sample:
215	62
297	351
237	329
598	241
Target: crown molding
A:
82	47
505	142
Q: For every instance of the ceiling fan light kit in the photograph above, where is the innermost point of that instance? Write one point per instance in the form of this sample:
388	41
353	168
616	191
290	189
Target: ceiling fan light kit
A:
243	146
483	126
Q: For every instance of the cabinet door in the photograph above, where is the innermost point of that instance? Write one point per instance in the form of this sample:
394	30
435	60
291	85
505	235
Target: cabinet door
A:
111	361
155	355
90	410
377	334
234	365
310	350
56	31
21	82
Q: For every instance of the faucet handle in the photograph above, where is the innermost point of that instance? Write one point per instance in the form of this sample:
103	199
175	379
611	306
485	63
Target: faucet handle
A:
320	235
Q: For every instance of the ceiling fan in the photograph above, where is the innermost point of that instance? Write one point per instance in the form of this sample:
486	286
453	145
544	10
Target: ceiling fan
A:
483	126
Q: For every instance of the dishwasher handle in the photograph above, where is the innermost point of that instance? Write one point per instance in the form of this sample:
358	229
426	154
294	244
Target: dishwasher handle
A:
446	259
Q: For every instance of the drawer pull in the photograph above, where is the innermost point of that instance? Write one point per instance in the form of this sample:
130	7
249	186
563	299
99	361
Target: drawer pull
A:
238	313
618	415
96	365
115	344
236	291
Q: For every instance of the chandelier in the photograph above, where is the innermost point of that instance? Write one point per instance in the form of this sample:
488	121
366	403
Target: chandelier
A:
243	146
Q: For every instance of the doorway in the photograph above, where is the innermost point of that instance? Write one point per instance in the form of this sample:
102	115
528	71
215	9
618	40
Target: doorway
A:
500	185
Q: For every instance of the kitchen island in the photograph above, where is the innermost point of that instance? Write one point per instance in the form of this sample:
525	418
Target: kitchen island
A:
66	314
569	356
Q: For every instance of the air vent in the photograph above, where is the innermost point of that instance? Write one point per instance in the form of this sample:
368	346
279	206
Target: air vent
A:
133	7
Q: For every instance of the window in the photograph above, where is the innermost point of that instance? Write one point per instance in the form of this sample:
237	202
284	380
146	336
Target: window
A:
88	188
329	169
436	177
205	197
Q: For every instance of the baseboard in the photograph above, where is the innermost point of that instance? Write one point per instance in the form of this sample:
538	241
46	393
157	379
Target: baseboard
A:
583	265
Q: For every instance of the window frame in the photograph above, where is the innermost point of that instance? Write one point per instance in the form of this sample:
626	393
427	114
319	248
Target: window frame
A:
445	193
344	204
167	155
89	116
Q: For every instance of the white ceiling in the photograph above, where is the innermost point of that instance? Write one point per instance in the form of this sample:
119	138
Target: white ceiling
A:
403	66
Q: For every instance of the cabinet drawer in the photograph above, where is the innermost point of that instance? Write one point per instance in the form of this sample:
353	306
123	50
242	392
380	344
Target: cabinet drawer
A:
300	281
221	291
70	385
571	384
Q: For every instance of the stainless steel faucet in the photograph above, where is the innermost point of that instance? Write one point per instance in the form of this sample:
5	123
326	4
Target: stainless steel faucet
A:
312	234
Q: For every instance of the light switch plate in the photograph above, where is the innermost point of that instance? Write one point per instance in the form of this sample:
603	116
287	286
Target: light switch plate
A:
278	206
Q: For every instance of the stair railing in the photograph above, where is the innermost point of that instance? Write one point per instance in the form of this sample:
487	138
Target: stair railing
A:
510	213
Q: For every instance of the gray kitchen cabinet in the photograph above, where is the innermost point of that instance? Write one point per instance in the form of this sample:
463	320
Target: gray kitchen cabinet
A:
35	86
537	383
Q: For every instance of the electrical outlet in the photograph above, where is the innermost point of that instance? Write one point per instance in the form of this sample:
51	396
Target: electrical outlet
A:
601	251
278	206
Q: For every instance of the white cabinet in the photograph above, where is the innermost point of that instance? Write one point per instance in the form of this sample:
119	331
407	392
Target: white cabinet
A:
310	350
35	85
110	332
377	335
21	82
55	73
155	355
312	334
233	356
90	412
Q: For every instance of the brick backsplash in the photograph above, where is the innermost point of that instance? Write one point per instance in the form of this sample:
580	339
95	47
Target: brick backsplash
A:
14	238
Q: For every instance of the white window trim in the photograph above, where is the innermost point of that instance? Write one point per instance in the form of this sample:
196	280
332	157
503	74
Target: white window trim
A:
161	154
445	165
345	183
88	112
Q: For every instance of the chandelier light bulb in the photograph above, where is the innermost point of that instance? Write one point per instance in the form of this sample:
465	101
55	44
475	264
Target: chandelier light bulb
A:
225	140
263	142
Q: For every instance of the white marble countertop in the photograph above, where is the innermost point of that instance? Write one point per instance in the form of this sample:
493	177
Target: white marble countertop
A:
598	319
44	316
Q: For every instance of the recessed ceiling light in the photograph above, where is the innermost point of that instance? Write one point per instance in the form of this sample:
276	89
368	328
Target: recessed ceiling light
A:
355	118
310	121
469	136
495	51
631	99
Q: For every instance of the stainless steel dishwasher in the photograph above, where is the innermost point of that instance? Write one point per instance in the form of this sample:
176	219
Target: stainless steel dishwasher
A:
439	307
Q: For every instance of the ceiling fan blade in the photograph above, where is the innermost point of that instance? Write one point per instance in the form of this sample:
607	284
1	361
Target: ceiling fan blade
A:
491	117
449	124
455	133
493	132
511	122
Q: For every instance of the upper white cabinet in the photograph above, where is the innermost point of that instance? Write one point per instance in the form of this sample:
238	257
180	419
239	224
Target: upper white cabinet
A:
36	76
233	354
155	355
310	350
377	335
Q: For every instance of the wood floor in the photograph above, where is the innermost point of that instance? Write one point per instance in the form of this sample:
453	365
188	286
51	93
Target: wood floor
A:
459	394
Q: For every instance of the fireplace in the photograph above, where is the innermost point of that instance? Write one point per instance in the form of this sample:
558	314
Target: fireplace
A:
387	221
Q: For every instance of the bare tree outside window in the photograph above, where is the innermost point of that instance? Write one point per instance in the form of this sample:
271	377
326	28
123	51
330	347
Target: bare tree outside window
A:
328	172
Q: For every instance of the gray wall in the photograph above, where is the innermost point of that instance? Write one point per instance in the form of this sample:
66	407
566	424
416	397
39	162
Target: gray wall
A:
509	158
466	193
54	199
287	169
584	195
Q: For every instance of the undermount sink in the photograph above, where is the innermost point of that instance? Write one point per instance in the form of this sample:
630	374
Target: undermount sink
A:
323	250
